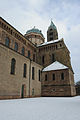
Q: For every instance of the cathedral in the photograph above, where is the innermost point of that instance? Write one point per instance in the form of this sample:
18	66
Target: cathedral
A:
31	67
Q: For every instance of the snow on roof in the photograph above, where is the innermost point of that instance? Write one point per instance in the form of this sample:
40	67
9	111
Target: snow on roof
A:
55	66
46	43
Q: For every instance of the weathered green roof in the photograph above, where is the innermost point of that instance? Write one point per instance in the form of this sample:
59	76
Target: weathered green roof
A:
52	25
35	30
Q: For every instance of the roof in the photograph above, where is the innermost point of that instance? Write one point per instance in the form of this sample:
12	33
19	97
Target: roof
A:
55	66
16	30
50	42
35	30
52	25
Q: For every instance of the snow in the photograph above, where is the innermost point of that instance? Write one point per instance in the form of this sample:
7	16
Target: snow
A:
44	108
55	66
50	42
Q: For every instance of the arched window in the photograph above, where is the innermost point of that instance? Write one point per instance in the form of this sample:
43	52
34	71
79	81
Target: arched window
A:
43	59
29	54
52	58
23	51
51	29
39	74
53	76
16	46
62	76
34	57
32	73
24	72
13	63
7	41
60	45
46	77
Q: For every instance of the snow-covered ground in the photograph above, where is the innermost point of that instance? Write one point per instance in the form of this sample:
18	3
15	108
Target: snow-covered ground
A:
44	108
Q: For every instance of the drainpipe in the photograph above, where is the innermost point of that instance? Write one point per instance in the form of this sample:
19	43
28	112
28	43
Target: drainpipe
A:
29	76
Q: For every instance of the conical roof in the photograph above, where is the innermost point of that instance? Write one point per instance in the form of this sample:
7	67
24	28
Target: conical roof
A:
55	66
52	25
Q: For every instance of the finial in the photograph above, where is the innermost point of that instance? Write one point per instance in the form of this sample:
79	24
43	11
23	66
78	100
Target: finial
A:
51	21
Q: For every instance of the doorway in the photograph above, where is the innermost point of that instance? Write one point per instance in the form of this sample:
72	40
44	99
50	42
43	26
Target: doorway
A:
23	91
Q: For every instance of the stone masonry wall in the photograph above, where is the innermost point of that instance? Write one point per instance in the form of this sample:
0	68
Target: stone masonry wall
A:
11	85
57	87
60	51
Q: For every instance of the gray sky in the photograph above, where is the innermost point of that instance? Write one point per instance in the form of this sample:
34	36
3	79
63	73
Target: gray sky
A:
25	14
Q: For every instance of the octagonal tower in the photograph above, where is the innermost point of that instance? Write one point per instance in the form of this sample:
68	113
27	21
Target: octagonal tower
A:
35	36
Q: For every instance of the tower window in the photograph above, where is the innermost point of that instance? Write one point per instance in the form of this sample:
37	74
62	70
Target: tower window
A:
62	76
13	62
46	77
16	46
32	73
42	59
51	38
53	76
7	41
50	29
24	72
23	51
51	33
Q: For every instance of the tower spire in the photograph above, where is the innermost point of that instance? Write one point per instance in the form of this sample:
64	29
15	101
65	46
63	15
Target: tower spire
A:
52	33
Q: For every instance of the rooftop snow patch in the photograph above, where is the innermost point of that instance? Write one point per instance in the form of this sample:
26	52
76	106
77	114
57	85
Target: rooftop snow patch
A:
55	66
50	42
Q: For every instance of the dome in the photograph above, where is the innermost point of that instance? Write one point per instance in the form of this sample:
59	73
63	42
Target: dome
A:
35	30
52	26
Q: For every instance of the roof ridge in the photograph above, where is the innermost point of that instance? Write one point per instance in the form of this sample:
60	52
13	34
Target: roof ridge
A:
55	66
50	42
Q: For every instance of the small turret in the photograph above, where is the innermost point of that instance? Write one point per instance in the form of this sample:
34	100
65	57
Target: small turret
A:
52	33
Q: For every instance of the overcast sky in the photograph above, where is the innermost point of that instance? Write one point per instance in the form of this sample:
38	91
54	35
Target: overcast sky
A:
25	14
